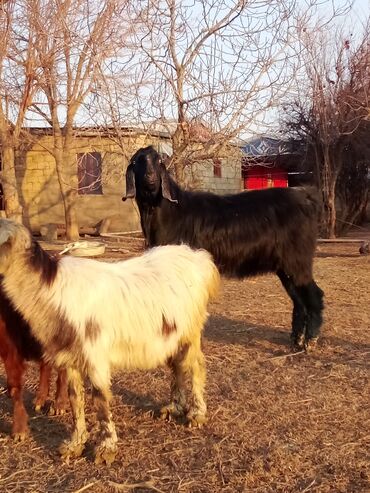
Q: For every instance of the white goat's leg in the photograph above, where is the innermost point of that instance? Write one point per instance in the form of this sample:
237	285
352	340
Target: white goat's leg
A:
177	406
75	446
106	450
195	364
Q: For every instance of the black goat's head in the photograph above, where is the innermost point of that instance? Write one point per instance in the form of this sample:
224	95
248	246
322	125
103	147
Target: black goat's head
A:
147	177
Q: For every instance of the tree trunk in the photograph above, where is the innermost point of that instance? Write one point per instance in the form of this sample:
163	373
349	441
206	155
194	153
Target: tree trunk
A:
331	167
179	172
70	214
352	191
177	151
13	207
69	194
331	211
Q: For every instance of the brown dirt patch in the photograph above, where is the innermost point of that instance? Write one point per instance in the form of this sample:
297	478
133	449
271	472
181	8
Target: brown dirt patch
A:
277	423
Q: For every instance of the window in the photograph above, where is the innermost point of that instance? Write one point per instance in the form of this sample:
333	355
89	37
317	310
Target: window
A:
89	170
217	167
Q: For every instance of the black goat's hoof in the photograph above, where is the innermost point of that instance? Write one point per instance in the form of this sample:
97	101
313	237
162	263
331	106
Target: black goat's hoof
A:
311	344
298	343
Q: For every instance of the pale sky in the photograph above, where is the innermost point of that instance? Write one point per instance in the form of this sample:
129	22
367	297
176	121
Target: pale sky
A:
362	7
360	12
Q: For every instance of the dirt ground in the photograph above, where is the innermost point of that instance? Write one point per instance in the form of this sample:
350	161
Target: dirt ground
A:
278	422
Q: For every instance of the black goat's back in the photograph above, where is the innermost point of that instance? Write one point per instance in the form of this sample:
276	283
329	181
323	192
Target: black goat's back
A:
248	233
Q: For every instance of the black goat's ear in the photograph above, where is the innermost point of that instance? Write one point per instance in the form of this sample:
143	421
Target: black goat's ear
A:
166	184
130	184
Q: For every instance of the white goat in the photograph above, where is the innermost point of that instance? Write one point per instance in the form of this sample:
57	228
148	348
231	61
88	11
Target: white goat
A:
92	317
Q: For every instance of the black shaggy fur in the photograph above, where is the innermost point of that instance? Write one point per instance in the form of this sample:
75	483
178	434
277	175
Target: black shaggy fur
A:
20	335
249	233
42	261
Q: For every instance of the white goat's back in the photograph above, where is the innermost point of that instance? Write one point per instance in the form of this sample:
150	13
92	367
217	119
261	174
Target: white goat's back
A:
143	308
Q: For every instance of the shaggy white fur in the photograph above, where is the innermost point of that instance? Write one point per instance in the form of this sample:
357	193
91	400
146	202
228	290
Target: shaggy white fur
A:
93	316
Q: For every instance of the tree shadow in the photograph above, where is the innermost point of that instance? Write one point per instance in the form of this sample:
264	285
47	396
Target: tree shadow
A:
223	330
141	402
226	330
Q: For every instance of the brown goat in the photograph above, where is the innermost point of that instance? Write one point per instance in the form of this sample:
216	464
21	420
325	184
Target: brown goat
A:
17	346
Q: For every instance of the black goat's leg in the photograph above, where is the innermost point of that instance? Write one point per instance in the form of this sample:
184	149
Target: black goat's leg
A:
299	317
312	297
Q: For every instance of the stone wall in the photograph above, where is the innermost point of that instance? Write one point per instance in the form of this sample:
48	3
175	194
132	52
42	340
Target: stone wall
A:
229	182
202	175
40	192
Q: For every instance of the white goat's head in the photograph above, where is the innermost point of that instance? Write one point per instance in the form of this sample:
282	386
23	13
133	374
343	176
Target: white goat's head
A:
147	178
15	239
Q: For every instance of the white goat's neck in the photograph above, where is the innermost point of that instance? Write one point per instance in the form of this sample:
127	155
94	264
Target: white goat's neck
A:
33	297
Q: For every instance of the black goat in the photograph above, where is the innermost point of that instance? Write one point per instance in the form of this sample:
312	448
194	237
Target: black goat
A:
248	233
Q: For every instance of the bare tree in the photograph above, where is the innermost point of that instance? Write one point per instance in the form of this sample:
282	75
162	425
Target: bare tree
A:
353	182
327	112
75	38
213	71
17	88
360	69
352	189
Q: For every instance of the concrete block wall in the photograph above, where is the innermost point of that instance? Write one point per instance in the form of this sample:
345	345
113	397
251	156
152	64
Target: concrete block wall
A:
40	192
203	178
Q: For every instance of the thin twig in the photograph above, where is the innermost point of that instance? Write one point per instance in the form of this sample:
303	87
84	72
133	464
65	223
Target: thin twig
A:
143	484
300	402
13	474
309	486
86	487
284	356
220	469
361	439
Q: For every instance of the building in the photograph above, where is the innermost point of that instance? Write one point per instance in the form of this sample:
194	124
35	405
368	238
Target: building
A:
269	162
100	167
99	177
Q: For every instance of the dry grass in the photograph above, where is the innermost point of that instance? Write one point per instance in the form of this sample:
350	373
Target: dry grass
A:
277	422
